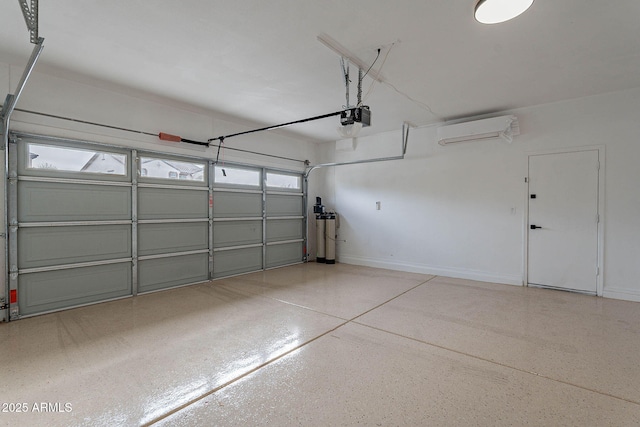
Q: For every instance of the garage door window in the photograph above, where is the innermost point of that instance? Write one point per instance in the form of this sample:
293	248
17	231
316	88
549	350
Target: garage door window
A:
283	181
152	167
64	159
237	176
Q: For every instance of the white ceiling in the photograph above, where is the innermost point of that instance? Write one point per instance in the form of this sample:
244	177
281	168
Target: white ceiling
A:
261	60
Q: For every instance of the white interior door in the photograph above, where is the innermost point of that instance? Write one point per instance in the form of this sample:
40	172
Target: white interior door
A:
563	220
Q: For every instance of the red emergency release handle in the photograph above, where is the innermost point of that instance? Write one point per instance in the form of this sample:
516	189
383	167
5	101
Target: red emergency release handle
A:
168	137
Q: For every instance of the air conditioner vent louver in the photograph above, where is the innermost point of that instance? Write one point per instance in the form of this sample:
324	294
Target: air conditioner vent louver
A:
505	127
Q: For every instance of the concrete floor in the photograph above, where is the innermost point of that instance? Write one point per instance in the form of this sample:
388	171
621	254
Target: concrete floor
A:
328	345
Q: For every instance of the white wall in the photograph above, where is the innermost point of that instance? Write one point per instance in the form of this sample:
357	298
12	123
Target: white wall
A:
126	108
459	210
455	210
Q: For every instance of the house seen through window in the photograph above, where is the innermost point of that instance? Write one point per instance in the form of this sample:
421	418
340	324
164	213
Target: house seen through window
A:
66	159
153	167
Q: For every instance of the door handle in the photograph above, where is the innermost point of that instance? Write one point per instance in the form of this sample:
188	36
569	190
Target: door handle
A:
533	227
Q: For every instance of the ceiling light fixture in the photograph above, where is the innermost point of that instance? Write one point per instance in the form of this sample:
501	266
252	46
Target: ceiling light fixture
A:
496	11
350	131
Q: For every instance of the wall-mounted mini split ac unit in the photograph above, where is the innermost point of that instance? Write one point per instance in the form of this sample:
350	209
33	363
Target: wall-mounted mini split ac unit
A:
505	127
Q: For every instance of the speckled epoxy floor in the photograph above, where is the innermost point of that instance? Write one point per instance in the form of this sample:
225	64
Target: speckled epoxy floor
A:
316	344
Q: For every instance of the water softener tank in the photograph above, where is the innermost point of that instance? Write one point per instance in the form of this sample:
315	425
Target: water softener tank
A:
320	238
330	238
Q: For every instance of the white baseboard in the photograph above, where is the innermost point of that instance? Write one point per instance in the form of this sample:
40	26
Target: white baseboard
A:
623	294
480	276
461	273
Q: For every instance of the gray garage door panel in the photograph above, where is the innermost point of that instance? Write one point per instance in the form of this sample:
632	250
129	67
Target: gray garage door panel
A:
238	261
284	229
156	239
54	290
236	233
47	246
50	201
75	213
160	273
164	203
288	253
236	205
283	205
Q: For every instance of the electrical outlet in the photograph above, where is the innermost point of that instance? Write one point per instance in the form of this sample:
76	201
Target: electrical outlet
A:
378	206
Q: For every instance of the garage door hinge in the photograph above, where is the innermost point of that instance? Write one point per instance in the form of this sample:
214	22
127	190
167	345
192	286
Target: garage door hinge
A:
3	304
526	179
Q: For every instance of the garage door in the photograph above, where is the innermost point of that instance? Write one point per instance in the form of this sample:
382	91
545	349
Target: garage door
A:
173	222
71	225
237	220
92	222
284	219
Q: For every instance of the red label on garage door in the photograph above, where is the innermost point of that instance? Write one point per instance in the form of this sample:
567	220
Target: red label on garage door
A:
13	296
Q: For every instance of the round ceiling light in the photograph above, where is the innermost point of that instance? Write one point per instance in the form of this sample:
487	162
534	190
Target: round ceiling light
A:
496	11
